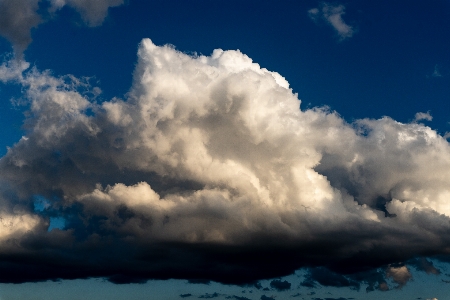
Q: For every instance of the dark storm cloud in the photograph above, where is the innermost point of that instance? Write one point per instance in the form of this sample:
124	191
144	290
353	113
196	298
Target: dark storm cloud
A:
209	171
18	17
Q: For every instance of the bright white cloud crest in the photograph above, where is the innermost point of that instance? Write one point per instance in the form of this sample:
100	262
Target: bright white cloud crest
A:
215	150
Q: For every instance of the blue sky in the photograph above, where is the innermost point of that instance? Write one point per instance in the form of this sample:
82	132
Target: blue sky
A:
132	150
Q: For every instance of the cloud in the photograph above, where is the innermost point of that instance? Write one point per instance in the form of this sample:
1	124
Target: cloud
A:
199	281
93	12
237	297
12	70
436	72
280	285
399	274
185	295
340	298
333	16
209	171
20	16
327	278
423	116
422	264
209	296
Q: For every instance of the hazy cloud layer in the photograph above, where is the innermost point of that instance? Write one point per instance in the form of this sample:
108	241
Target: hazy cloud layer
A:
332	14
18	17
210	171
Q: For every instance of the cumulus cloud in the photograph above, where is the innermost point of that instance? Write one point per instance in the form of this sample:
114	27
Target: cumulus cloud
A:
332	14
209	170
18	17
399	274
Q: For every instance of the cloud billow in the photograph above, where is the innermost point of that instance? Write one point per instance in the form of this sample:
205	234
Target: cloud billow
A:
210	171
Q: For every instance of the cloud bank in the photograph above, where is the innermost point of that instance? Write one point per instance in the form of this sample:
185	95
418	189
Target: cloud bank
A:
209	170
18	17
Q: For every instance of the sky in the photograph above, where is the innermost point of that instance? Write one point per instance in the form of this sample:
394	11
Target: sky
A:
224	149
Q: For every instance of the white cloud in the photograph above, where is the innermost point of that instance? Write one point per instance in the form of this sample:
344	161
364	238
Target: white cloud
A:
423	116
214	149
12	70
399	275
333	16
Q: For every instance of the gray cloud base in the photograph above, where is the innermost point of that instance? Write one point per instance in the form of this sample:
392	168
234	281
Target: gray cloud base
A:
210	171
17	19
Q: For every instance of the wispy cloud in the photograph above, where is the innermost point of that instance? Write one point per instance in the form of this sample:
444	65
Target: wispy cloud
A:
333	16
436	72
423	116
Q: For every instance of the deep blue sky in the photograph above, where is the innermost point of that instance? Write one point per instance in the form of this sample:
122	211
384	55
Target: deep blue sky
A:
396	63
